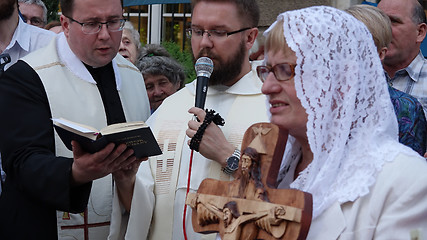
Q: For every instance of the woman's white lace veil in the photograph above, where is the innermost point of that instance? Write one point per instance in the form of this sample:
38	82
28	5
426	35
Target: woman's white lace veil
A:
352	128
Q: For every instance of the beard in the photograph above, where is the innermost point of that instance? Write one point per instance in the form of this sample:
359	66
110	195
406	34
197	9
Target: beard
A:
6	9
225	72
244	181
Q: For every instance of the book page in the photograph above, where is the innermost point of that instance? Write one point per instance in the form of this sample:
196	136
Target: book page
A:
76	126
122	127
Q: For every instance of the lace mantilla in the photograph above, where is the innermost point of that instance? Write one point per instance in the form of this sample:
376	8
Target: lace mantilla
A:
351	128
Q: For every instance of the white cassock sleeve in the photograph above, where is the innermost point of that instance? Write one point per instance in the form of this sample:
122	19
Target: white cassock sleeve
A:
136	224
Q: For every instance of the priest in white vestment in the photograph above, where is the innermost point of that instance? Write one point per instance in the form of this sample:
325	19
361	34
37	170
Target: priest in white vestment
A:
53	192
156	210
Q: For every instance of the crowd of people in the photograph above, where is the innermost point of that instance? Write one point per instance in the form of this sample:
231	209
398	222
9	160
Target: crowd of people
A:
409	111
349	86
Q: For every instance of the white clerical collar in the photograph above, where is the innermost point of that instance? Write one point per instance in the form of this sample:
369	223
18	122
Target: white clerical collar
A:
76	66
249	84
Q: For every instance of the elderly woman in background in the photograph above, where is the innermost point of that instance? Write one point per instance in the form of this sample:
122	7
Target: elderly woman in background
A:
130	45
325	85
163	75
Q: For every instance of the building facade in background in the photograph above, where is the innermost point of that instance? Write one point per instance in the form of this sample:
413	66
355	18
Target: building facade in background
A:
167	22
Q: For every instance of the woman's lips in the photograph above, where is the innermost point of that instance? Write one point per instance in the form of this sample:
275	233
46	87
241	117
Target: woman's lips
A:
277	106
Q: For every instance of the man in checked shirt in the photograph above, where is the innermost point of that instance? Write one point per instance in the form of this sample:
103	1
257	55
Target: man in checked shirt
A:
405	66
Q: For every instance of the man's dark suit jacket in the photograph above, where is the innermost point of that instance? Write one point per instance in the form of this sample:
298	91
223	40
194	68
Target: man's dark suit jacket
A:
37	183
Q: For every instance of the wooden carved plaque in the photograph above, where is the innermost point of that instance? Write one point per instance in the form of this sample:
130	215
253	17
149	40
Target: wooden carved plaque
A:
250	206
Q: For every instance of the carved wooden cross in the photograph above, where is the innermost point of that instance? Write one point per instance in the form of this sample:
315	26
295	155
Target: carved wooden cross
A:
250	206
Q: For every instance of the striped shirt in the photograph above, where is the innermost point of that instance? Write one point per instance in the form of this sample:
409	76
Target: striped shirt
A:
412	80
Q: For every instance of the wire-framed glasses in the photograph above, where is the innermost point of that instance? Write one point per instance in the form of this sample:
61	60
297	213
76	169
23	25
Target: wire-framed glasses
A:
212	34
281	71
114	25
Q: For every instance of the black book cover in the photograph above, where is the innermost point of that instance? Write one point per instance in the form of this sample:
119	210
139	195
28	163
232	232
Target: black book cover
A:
141	140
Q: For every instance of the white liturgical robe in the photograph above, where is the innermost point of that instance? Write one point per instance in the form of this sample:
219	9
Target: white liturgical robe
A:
160	188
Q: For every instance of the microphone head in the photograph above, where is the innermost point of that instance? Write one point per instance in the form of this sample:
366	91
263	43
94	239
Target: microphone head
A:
204	67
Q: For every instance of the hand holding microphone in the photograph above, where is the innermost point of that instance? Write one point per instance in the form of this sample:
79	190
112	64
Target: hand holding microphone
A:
204	68
215	145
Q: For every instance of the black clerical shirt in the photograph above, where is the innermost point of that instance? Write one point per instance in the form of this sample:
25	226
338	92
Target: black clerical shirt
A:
106	83
38	183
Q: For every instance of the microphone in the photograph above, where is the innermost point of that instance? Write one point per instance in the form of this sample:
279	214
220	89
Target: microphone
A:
204	68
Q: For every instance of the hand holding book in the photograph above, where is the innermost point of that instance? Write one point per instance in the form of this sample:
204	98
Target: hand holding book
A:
136	135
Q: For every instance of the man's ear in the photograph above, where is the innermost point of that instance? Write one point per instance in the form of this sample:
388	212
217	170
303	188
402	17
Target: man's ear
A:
422	29
65	23
253	33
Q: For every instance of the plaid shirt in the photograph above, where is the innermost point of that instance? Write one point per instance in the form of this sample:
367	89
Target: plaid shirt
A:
413	80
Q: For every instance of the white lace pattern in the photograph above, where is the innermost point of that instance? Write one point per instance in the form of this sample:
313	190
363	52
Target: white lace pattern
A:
351	128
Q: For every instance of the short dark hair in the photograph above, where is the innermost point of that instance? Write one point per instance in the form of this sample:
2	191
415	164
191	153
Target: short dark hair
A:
248	10
67	7
418	14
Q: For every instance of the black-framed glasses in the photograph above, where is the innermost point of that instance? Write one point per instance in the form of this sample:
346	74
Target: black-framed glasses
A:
281	71
33	21
213	34
114	25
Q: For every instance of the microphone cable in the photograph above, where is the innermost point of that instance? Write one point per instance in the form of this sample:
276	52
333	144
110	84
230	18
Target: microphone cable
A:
210	116
188	189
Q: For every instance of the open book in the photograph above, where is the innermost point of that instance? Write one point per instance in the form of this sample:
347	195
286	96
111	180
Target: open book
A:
136	135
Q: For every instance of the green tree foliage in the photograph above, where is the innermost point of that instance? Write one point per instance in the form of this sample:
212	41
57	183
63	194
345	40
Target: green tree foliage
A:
185	57
52	10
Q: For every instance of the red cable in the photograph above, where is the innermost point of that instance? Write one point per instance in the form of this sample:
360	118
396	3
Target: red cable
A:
188	189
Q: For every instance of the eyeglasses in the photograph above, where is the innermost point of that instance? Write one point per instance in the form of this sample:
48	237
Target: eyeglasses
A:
282	71
212	34
33	21
94	27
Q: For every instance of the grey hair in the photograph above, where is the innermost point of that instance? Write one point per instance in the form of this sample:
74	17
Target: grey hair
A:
155	60
39	3
134	33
